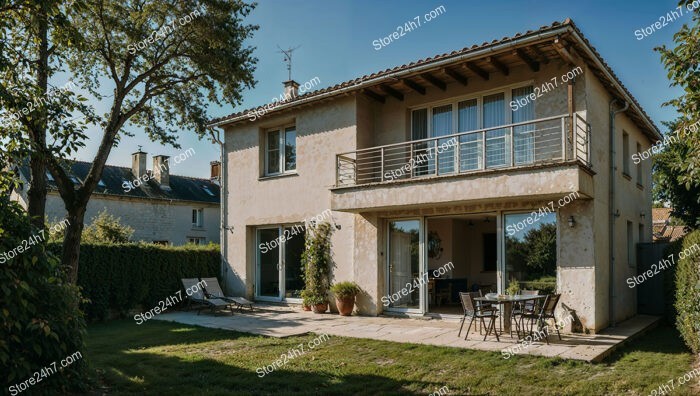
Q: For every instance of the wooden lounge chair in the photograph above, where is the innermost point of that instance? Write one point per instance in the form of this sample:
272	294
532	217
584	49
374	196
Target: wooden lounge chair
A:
197	296
213	289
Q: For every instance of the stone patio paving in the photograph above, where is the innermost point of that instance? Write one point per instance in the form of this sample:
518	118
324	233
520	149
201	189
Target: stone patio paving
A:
281	321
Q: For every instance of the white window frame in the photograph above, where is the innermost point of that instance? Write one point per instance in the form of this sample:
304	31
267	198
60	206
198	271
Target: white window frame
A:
282	153
200	218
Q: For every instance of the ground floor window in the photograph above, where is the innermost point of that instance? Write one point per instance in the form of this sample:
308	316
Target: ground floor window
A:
279	271
531	250
196	240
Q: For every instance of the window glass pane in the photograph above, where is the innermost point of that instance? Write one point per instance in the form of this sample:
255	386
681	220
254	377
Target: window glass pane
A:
293	249
268	261
531	250
442	125
497	145
404	267
273	152
194	216
626	153
470	150
290	149
524	135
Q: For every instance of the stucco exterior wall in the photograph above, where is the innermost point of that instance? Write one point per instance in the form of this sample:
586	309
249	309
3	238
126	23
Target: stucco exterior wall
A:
255	200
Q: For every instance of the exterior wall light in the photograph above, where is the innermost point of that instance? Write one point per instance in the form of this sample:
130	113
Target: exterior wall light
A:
572	222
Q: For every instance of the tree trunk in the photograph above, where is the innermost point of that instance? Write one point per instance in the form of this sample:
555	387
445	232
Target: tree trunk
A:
36	195
37	191
71	242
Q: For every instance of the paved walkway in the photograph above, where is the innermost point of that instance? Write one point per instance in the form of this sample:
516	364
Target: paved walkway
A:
278	321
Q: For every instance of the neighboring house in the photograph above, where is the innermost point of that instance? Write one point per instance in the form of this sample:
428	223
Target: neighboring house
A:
515	133
664	231
166	209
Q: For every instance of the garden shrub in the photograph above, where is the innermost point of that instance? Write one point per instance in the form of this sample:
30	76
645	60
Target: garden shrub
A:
40	317
117	278
669	274
688	291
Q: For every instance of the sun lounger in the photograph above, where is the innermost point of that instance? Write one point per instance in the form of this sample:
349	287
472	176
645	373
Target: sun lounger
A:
198	296
211	285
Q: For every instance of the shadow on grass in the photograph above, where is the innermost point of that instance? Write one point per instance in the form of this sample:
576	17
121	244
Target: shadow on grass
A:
663	339
124	367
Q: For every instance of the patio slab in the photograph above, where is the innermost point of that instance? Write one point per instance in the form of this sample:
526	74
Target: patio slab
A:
280	321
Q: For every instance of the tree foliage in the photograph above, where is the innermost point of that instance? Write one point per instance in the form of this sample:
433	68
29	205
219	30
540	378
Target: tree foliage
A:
536	254
677	168
40	319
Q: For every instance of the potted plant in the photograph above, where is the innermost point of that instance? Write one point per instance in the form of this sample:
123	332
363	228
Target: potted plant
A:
306	301
345	293
319	303
316	261
513	288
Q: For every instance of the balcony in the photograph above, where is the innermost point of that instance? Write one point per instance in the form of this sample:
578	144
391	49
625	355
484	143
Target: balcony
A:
543	141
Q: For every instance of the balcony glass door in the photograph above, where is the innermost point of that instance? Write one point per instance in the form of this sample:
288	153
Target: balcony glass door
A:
405	265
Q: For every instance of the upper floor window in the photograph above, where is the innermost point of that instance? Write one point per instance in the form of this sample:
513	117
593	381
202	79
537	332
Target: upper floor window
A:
639	166
280	150
197	217
625	153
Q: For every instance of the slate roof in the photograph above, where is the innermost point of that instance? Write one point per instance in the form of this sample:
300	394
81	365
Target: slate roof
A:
639	115
182	188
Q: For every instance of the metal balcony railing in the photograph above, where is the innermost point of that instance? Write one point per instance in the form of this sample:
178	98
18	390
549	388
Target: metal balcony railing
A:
545	140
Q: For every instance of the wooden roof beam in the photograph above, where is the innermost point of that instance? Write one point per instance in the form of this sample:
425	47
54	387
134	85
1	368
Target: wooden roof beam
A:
434	80
532	64
392	92
456	76
477	70
498	65
373	95
414	86
539	54
563	51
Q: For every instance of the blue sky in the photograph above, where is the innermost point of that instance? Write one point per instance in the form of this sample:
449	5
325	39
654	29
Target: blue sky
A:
335	39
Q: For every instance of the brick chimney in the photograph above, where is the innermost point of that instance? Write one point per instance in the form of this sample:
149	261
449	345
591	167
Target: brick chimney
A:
215	170
138	163
291	89
161	170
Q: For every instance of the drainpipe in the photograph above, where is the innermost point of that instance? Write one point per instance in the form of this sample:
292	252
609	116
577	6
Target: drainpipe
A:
216	138
611	203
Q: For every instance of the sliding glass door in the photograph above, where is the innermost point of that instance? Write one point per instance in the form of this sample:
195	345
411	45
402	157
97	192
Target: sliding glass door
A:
405	265
278	266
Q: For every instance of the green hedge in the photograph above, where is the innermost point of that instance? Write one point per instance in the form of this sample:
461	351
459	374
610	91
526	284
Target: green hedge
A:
669	274
688	291
117	278
545	284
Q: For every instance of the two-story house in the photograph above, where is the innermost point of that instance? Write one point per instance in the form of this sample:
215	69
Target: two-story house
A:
504	162
160	207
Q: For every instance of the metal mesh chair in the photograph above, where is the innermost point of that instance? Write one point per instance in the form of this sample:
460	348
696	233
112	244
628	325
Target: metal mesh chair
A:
520	308
543	312
474	311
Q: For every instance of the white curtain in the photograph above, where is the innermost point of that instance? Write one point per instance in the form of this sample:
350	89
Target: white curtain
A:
497	145
524	135
470	150
442	126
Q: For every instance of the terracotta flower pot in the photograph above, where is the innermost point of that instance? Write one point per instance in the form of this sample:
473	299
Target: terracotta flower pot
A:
319	308
345	305
306	307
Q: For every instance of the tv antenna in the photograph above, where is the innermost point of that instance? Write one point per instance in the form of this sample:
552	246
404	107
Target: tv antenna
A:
288	58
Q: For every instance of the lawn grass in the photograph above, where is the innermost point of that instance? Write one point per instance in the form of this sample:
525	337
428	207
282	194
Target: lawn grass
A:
174	359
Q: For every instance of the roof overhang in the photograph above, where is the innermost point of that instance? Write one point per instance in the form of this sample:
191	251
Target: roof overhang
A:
558	41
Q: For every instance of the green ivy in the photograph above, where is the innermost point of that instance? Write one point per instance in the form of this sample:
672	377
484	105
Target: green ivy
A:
317	261
118	278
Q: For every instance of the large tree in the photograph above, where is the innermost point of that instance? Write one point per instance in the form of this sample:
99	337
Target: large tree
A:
35	113
677	169
164	62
